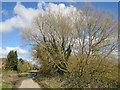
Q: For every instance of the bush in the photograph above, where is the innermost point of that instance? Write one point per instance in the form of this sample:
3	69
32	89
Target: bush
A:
24	66
104	76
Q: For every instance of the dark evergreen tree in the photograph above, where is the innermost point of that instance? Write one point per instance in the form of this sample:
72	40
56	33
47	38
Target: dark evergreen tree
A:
12	61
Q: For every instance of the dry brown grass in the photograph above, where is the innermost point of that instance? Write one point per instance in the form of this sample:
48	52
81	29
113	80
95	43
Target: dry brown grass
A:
10	76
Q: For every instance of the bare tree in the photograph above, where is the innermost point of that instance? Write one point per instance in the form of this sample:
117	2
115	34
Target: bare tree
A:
88	33
51	37
97	36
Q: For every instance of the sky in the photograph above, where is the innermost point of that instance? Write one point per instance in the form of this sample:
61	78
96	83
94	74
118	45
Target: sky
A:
19	14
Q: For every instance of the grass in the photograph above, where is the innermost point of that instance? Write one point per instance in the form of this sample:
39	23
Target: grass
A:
10	77
49	82
0	85
52	84
23	74
7	85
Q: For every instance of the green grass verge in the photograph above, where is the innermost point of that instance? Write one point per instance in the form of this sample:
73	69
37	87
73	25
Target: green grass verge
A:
7	85
0	85
0	88
48	81
23	74
52	84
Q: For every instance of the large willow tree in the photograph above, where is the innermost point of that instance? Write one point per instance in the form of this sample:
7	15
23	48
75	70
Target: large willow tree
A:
87	33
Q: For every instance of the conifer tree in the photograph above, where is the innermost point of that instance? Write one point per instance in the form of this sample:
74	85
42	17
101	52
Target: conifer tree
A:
12	61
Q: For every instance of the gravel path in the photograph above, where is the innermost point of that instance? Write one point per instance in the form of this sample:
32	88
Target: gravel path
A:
29	83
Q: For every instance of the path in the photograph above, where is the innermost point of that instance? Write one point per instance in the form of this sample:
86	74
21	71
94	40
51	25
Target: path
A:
29	83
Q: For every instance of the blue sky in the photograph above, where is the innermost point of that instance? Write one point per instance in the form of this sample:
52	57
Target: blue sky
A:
11	38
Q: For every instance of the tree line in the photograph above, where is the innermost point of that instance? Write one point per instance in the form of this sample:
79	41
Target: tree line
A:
12	63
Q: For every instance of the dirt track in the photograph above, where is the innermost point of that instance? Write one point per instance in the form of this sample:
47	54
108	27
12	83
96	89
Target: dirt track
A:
28	83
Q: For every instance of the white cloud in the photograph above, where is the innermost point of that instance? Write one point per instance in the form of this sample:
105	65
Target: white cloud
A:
4	52
4	12
9	24
60	9
40	4
22	19
24	16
